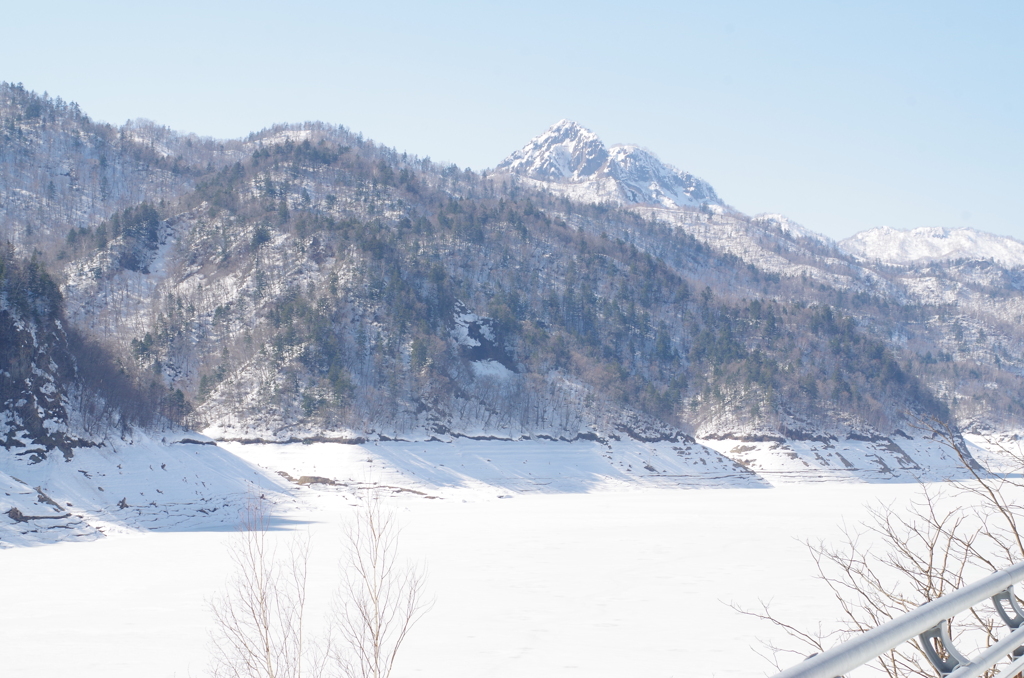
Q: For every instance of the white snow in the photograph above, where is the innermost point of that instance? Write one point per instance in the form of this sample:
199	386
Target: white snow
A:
608	576
490	368
496	466
461	330
921	245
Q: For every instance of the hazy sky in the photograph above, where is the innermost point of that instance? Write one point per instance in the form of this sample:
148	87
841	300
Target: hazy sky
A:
843	116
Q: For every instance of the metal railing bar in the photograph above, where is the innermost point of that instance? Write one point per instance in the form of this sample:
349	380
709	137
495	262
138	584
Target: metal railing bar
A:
879	640
990	656
1012	669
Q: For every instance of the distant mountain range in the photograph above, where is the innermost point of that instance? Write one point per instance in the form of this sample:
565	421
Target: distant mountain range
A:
306	283
927	245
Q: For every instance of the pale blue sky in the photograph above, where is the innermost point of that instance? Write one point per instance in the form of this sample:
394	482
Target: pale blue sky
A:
843	116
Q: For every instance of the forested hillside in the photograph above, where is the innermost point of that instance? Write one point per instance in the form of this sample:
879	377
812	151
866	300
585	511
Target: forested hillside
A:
59	389
305	282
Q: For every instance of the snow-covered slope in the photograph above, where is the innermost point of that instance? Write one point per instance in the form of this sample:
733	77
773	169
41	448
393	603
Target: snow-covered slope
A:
572	160
488	467
920	458
923	245
177	481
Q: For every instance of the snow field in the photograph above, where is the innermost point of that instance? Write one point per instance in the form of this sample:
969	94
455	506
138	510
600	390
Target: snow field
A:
611	578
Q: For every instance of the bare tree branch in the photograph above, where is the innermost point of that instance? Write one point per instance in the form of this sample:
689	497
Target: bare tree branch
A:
259	622
381	598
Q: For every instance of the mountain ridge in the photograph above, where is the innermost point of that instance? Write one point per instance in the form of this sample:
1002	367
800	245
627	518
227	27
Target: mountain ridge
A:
307	282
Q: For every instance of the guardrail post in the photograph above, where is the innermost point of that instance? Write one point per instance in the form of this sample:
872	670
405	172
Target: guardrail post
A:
1007	597
1000	600
936	642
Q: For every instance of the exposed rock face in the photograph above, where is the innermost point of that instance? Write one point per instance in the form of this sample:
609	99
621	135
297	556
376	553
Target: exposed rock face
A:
59	391
36	366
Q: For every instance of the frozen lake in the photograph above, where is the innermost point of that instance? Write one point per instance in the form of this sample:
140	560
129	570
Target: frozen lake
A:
620	580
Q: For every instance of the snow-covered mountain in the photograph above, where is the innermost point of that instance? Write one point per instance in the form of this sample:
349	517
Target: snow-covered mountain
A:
924	245
572	160
308	284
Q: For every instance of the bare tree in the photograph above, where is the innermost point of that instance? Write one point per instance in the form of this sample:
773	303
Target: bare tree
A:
997	495
902	558
381	597
259	623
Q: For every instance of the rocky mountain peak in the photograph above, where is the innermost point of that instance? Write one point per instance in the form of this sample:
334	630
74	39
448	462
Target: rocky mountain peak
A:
567	151
571	155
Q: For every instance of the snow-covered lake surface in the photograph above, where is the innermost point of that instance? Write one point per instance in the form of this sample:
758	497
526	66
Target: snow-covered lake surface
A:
606	577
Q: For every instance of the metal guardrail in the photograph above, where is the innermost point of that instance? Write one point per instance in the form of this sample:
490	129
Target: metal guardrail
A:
928	623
